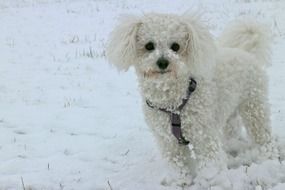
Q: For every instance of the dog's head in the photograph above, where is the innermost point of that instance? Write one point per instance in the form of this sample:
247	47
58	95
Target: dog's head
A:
159	45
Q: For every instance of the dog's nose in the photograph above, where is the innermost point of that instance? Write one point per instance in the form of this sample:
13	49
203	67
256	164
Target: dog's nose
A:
162	63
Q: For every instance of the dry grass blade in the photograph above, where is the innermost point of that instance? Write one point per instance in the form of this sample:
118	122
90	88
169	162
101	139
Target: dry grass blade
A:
110	185
23	185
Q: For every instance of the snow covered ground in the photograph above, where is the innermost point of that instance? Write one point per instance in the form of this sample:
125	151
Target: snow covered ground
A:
68	120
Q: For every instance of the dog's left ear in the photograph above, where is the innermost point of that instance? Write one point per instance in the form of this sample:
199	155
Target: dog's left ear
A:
200	44
121	50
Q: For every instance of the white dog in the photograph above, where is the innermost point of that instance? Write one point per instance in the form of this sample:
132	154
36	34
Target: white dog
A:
193	86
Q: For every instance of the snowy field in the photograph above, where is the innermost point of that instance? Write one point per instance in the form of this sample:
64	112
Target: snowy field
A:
69	121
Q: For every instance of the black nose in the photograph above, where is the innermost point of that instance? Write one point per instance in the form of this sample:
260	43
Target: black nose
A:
162	63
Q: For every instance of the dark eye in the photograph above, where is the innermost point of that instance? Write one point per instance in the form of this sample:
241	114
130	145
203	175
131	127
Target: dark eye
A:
149	46
175	47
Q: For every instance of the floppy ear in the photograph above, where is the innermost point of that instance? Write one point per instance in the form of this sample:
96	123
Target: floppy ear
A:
200	44
121	49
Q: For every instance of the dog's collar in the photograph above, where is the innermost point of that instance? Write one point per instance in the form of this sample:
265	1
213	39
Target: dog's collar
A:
175	113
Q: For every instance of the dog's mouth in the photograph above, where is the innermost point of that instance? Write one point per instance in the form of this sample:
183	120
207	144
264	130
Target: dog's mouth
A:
162	72
156	73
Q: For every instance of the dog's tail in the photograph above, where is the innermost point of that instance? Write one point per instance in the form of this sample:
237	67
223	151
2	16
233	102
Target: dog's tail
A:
249	36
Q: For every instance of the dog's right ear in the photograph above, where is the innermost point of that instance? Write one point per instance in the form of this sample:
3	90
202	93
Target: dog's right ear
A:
121	49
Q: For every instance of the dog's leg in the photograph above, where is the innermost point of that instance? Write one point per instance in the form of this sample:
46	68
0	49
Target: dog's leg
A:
207	146
178	155
210	156
255	115
234	141
233	127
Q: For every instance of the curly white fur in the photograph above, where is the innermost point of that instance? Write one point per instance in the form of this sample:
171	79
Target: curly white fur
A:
230	76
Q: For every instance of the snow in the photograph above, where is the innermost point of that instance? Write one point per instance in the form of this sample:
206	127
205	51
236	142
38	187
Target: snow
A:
68	120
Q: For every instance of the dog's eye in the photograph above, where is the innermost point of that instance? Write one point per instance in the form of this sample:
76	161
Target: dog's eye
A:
149	46
175	46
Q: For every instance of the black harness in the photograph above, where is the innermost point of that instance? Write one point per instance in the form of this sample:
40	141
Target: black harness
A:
175	115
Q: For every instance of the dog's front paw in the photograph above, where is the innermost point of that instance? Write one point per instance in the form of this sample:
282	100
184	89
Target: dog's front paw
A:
212	177
180	180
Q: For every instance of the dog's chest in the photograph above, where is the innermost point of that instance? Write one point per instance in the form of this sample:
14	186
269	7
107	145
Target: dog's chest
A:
199	106
160	121
165	94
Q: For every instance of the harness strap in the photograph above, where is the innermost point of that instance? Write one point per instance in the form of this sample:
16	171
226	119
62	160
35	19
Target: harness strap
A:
175	115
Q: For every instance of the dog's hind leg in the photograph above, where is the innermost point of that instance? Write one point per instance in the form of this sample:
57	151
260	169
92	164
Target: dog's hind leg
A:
233	134
233	126
255	116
